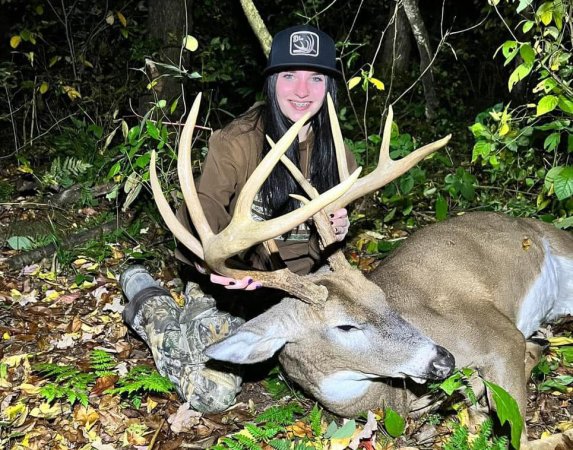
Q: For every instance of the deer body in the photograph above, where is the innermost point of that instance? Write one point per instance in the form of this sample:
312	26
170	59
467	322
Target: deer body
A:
477	285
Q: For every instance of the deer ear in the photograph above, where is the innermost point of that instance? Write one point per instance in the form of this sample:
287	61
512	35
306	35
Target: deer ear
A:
260	338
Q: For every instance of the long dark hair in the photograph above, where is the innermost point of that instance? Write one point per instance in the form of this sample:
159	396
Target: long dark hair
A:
323	168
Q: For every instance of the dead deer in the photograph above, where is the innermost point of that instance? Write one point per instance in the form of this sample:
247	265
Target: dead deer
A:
477	285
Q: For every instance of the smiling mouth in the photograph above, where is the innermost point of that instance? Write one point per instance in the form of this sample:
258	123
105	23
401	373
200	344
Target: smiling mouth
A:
300	105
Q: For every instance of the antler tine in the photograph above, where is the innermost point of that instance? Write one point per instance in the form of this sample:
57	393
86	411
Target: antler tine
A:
178	230
387	168
185	173
338	140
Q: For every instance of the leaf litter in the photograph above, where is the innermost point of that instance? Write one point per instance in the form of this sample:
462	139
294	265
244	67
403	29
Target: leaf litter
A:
55	318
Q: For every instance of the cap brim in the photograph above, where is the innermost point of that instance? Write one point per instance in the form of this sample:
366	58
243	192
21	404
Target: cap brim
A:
319	68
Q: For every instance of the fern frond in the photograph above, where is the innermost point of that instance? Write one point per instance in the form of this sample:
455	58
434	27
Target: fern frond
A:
74	166
102	361
281	415
281	444
303	446
263	434
247	442
142	379
232	444
459	439
315	420
481	441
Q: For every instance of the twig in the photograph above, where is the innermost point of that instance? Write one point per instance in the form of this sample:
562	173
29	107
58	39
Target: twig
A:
154	438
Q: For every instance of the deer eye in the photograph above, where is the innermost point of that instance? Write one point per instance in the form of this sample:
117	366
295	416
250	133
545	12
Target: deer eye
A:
347	327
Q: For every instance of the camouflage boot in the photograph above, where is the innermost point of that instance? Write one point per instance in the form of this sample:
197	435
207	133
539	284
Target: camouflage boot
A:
177	338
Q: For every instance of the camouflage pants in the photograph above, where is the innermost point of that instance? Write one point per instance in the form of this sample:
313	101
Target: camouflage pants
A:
177	337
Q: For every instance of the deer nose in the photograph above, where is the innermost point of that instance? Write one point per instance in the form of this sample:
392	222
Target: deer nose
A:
443	365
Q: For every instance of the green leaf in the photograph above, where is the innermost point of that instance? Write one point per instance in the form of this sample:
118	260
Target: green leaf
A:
563	183
452	383
552	141
20	243
152	130
528	25
330	430
394	423
523	4
551	175
143	160
565	104
527	53
546	104
345	431
519	74
480	130
481	148
562	224
507	411
441	208
509	51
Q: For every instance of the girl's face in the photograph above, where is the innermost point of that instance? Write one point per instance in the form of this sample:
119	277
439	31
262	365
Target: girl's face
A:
299	92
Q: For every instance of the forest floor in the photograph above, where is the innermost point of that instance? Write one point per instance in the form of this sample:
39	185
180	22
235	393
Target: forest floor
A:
67	304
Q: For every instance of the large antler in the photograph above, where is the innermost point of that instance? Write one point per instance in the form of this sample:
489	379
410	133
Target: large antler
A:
387	168
242	232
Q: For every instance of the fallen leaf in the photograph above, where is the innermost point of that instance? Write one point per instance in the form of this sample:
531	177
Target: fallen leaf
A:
115	306
29	389
16	414
86	416
45	411
184	419
103	383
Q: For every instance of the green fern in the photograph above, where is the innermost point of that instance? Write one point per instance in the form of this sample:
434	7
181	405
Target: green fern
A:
247	443
263	434
142	379
280	444
69	383
315	420
102	362
228	443
63	173
280	415
459	440
303	446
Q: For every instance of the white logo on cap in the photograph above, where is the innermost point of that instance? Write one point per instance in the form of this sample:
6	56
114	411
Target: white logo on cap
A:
304	43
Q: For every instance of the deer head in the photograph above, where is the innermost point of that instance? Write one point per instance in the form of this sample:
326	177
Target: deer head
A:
343	334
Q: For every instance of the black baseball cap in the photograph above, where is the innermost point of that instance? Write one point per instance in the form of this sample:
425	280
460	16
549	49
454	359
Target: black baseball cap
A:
302	47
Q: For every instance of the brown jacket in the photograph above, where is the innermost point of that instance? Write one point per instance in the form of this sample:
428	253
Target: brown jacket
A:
234	153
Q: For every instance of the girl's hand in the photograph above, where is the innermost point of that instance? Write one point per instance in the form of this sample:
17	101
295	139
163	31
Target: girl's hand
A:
340	223
247	283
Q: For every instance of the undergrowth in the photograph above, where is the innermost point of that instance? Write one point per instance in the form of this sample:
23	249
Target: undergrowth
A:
71	384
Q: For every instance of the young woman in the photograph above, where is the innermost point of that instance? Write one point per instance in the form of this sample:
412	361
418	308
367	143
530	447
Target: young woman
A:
300	72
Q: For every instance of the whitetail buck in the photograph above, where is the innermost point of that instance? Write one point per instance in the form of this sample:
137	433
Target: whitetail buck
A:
477	285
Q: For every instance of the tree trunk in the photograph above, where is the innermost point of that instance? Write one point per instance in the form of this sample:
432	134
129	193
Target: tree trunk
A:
397	47
258	25
412	10
169	25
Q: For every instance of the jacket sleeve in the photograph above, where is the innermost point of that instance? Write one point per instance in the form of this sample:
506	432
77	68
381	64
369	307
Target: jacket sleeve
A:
350	160
219	178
